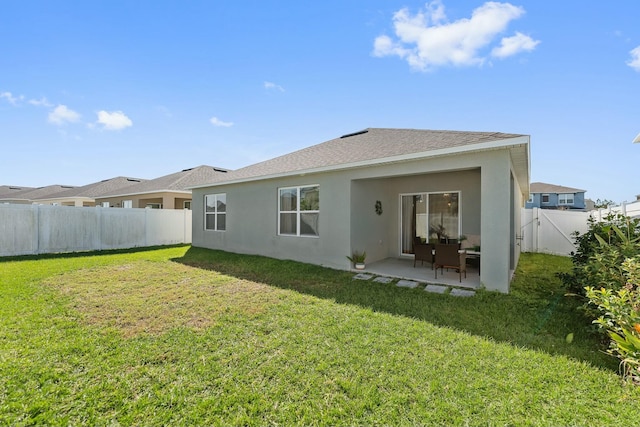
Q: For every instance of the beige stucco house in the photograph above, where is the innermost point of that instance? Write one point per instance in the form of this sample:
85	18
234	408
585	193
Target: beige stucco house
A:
374	190
166	192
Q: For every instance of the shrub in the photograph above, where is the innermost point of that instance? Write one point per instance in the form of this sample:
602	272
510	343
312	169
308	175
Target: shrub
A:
620	318
600	253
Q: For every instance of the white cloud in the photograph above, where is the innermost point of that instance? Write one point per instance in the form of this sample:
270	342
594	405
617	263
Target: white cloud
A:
271	85
62	115
634	62
219	123
428	40
42	102
513	45
13	100
114	120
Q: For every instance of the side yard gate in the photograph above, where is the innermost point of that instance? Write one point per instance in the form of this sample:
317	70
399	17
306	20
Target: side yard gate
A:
550	231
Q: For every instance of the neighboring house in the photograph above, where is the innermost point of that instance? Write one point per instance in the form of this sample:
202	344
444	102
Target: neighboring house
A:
550	196
166	192
374	190
28	195
86	195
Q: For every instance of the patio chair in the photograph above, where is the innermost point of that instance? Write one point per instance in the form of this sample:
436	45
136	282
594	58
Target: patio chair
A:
423	252
448	256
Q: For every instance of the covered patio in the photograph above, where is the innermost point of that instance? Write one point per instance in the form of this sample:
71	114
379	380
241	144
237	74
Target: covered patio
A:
402	268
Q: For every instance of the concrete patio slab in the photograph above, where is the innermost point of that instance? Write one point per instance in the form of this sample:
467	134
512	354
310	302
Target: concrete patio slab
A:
402	268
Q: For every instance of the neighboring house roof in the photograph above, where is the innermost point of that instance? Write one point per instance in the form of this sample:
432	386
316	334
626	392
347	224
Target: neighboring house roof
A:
176	182
10	190
36	193
96	189
378	145
541	187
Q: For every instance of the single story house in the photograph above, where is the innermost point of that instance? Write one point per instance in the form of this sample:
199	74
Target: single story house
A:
374	191
551	196
166	192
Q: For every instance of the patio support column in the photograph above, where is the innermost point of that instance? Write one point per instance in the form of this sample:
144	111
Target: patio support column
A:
168	201
495	223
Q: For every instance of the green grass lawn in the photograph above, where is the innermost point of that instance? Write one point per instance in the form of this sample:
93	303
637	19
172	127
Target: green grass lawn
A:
187	336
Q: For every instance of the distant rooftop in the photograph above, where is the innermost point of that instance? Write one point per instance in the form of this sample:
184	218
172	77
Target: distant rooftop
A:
178	181
541	187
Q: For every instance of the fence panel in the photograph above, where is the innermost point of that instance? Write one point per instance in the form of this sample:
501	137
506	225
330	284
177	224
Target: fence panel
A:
38	229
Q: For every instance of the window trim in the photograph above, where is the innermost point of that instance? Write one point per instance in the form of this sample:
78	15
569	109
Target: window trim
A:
297	211
542	196
215	212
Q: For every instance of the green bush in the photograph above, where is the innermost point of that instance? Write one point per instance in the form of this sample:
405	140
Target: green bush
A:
600	252
620	318
606	270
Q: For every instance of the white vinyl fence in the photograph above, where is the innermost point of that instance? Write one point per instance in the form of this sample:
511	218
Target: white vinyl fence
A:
550	231
628	209
39	229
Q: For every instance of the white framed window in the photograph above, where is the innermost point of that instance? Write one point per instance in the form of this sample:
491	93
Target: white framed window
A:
127	204
186	205
544	198
299	211
105	204
154	206
565	199
215	212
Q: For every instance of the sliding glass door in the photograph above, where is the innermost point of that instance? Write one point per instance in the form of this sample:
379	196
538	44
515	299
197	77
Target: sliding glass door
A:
433	217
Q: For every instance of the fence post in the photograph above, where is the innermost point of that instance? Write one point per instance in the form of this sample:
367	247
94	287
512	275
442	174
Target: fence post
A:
536	228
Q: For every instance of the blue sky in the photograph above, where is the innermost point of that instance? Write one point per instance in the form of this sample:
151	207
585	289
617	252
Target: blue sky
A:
90	90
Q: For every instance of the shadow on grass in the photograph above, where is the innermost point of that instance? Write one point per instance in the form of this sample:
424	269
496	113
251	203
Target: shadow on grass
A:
535	315
84	254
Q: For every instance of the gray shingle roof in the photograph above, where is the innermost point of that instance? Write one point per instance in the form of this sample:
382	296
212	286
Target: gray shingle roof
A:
541	187
365	146
10	190
96	189
179	181
37	193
